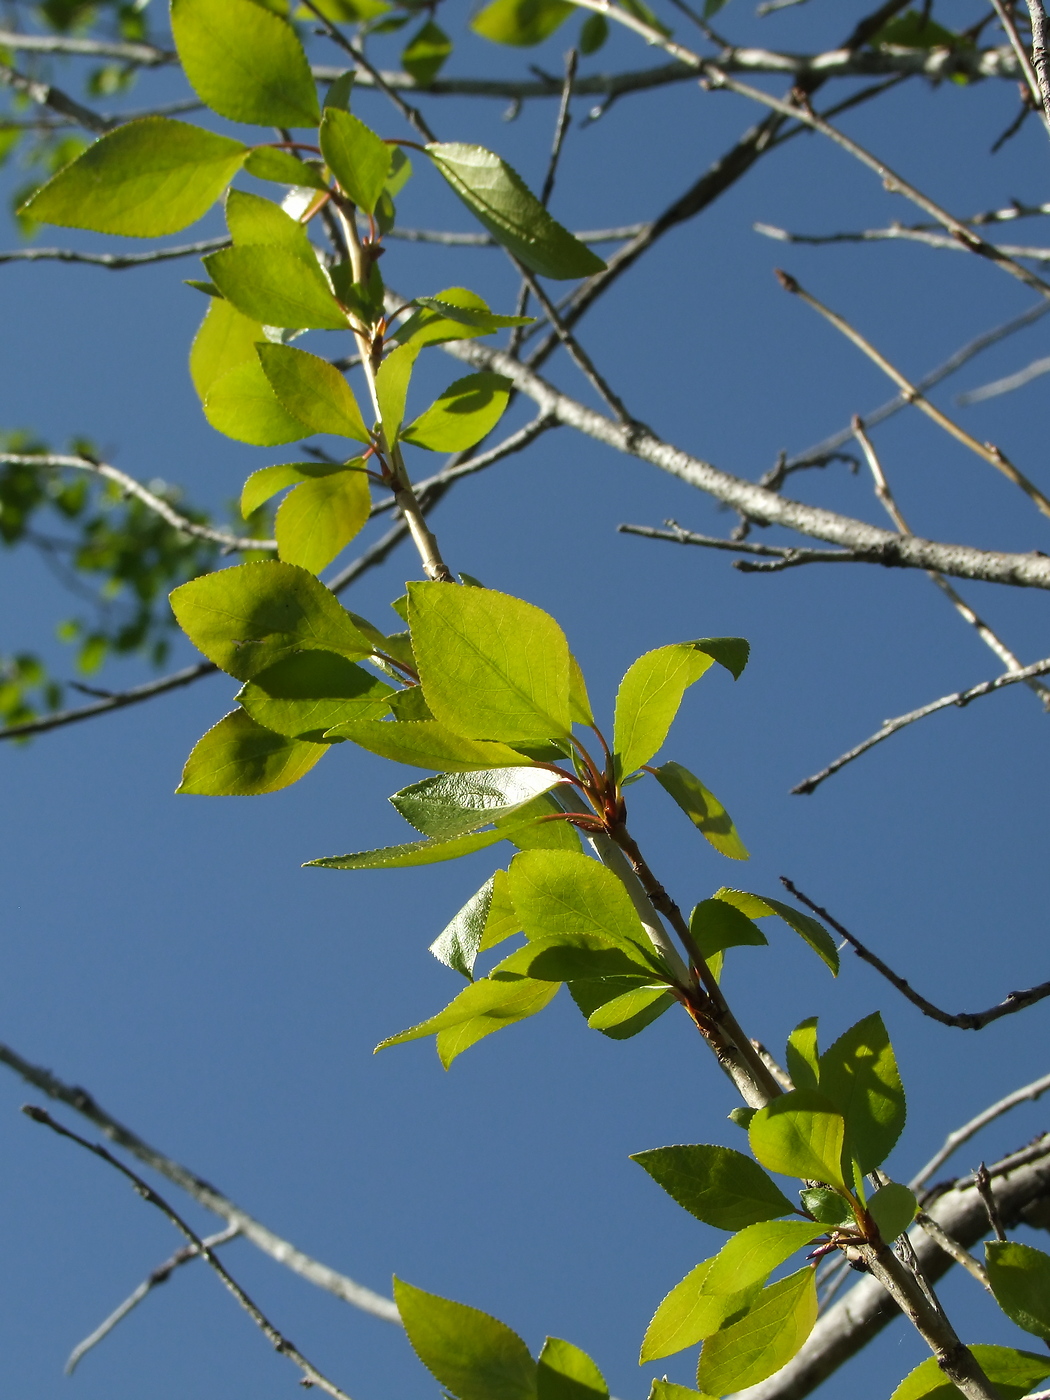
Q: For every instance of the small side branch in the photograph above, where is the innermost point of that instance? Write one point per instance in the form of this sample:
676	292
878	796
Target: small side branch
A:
953	1248
1028	1093
280	1343
785	556
983	1182
1041	53
962	1020
119	700
116	262
892	726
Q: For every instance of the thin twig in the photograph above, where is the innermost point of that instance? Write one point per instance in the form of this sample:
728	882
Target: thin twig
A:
485	240
44	95
206	1195
986	451
150	499
159	1275
786	555
280	1343
1006	19
1006	385
1027	1094
561	126
114	261
983	1182
963	1020
118	701
142	55
1041	53
892	726
897	233
953	1248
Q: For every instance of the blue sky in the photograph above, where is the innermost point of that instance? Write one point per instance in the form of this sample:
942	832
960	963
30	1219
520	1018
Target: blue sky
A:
170	954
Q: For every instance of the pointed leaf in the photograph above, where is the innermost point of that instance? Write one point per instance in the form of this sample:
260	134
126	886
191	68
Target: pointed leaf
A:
579	704
239	758
319	518
462	415
252	220
357	157
467	1351
501	202
491	666
648	700
226	339
147	178
423	57
803	1057
667	1390
411	853
827	1206
282	168
1020	1279
626	1015
245	62
253	615
764	1339
425	744
748	1259
502	921
243	406
859	1075
461	802
521	22
307	693
719	1186
568	957
455	314
558	835
716	926
478	1011
757	906
800	1134
313	391
689	1314
703	809
567	1373
275	286
1013	1373
262	485
560	892
459	942
392	380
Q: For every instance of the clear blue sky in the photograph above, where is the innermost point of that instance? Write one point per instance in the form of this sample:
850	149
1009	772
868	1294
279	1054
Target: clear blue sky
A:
169	954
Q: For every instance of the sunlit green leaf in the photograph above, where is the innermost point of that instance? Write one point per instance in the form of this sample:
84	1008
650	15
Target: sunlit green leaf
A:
480	1009
501	202
148	177
809	930
358	158
276	287
468	1352
319	518
684	1317
462	415
411	853
624	1016
560	892
245	62
459	802
803	1057
425	744
310	691
567	1373
764	1339
1013	1373
568	957
800	1134
239	758
719	1186
392	380
521	23
265	483
313	391
225	340
253	220
859	1075
459	942
454	314
243	406
748	1259
282	168
702	808
1020	1279
424	56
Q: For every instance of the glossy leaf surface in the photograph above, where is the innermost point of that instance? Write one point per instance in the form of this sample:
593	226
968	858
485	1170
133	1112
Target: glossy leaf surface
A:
800	1134
461	802
410	853
459	942
718	1185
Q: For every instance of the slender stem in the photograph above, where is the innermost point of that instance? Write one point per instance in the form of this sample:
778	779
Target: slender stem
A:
1006	19
953	1248
1026	1094
1041	53
983	1182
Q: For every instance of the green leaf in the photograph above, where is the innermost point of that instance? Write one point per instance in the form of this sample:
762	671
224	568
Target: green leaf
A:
741	1116
245	62
425	744
593	33
239	758
703	809
686	1316
501	202
719	1186
313	391
268	481
1020	1279
424	56
480	1009
893	1208
147	178
557	835
467	1351
827	1206
467	310
667	1390
717	926
567	1373
809	930
462	415
764	1339
226	339
459	942
579	704
392	380
560	892
357	157
247	618
411	853
502	921
400	172
913	30
320	518
859	1075
649	697
747	1260
282	168
309	692
1013	1373
252	220
243	406
626	1015
521	22
568	957
460	802
800	1134
276	287
491	666
803	1057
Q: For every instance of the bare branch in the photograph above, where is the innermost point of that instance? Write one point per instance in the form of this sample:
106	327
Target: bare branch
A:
1008	384
131	487
485	240
891	726
896	233
786	555
953	1248
561	126
1006	19
144	55
1027	1094
202	1192
866	1309
962	1020
114	261
44	95
120	700
985	450
983	1182
1041	54
758	502
280	1343
159	1275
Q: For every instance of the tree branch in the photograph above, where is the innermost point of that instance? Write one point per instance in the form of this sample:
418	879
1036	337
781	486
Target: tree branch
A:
144	55
962	1020
118	701
280	1343
1027	1094
114	261
202	1192
1024	63
898	232
1041	54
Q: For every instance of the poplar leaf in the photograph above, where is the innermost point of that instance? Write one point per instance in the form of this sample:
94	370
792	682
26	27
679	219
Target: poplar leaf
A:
459	942
859	1075
392	380
626	1015
1013	1373
570	957
410	853
313	391
521	23
310	691
319	518
462	415
491	666
357	157
282	168
424	56
252	220
747	1260
243	406
147	178
459	802
425	744
803	1058
245	62
275	286
764	1339
265	483
226	339
800	1134
565	1372
563	893
703	809
501	202
239	758
757	906
689	1314
718	1185
1020	1279
479	1010
893	1208
467	1351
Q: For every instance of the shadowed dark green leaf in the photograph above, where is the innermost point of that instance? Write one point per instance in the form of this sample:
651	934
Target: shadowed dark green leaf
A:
567	1373
703	809
1013	1373
803	1057
239	758
893	1208
809	930
424	56
1020	1279
719	1186
859	1075
305	694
